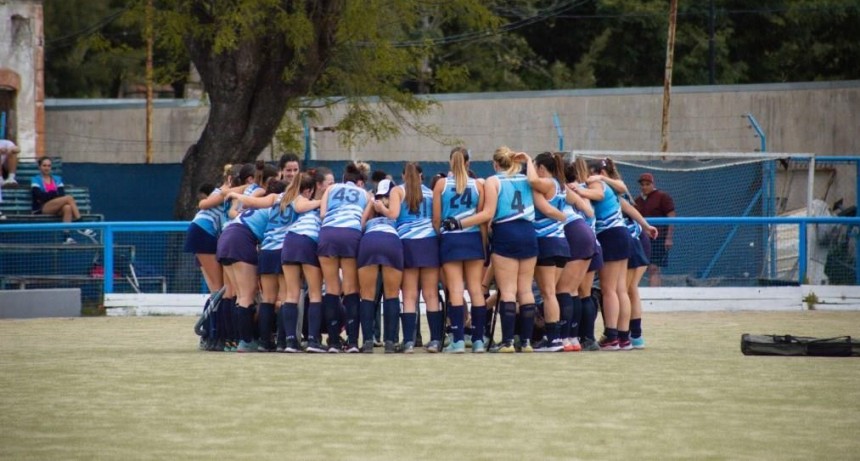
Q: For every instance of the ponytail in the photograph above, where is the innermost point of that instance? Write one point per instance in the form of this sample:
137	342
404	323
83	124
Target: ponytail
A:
580	170
259	168
412	178
504	157
611	169
553	163
300	182
458	167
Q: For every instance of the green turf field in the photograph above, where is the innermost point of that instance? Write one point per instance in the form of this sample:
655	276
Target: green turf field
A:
137	388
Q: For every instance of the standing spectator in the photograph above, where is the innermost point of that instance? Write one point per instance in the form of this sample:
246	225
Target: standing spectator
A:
8	162
654	203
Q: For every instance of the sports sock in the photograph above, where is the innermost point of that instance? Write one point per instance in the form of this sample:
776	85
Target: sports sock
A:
576	318
365	316
291	319
436	323
408	320
332	315
509	319
527	321
390	318
246	324
315	320
234	321
455	316
624	335
264	322
589	316
350	303
565	307
479	320
552	331
610	333
635	328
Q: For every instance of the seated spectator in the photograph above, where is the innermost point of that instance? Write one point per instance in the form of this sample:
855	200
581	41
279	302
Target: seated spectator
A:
8	162
49	198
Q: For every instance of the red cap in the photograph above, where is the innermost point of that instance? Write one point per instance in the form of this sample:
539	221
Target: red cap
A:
646	177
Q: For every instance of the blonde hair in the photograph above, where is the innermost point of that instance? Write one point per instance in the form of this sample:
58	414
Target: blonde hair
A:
412	186
458	168
504	157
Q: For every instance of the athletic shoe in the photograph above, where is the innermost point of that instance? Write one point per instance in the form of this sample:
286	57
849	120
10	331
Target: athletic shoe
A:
419	342
467	339
624	345
571	345
546	345
590	345
526	346
352	349
377	342
504	347
638	343
608	345
292	346
478	347
390	347
10	182
367	347
314	347
449	338
69	241
335	346
408	347
245	347
263	347
457	347
433	347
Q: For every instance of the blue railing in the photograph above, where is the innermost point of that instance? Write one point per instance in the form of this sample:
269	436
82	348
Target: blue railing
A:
107	231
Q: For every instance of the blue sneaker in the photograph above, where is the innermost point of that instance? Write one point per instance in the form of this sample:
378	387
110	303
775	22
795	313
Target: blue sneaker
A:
478	347
456	347
638	343
246	346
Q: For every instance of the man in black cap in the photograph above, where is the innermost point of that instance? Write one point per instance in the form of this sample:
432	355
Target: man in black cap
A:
654	203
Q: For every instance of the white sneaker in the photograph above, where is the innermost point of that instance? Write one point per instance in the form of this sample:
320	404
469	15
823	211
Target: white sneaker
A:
10	181
69	241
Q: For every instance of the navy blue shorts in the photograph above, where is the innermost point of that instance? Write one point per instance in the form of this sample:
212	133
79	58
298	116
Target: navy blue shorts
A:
339	242
553	251
515	239
580	239
198	241
380	248
615	242
299	249
461	246
237	244
419	253
269	262
596	260
637	254
646	245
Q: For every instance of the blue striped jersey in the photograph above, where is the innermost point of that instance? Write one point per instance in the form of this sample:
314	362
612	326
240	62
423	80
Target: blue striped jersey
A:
607	212
417	224
459	206
515	199
588	220
247	192
345	206
632	226
276	227
254	219
381	224
307	224
211	219
546	227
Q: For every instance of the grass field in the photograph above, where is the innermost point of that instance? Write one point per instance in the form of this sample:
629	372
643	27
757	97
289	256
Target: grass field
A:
137	388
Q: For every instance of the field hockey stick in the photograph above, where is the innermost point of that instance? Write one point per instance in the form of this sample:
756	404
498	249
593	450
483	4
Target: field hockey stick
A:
211	307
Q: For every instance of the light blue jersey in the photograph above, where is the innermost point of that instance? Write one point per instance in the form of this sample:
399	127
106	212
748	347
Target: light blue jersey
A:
345	206
255	220
307	224
211	219
515	199
546	227
417	224
632	226
276	227
607	212
247	192
381	224
459	206
588	220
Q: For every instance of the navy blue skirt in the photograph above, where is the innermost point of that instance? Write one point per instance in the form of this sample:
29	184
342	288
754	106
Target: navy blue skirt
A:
380	248
299	249
580	239
237	244
269	262
419	253
198	241
515	239
637	253
646	245
461	246
339	242
615	242
596	260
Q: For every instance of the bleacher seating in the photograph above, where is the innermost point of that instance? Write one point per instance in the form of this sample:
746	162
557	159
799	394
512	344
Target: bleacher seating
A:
17	201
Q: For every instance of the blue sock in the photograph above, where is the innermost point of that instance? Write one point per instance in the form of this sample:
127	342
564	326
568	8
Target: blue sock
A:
315	320
264	322
552	331
291	319
479	320
408	326
624	335
455	315
255	330
636	328
234	321
527	321
436	323
366	313
246	324
565	308
589	316
332	315
223	322
610	333
576	318
350	303
509	319
390	319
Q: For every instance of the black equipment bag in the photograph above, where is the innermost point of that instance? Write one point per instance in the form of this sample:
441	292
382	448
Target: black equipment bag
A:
788	345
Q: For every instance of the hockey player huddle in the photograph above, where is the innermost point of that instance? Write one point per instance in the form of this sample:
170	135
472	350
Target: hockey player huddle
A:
297	262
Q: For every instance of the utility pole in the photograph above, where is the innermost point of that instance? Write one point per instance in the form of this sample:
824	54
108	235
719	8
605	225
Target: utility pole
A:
149	78
667	78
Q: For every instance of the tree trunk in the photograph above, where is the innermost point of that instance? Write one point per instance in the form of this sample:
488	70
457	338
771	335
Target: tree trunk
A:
249	95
